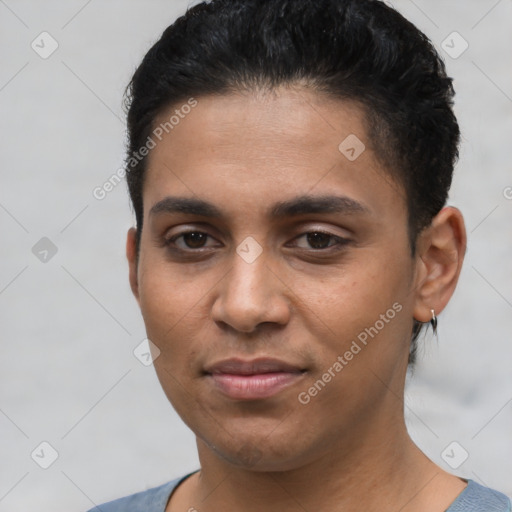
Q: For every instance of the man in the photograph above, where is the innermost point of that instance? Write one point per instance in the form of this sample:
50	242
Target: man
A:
292	238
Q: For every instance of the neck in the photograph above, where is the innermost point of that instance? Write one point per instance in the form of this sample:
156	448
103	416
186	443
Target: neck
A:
380	465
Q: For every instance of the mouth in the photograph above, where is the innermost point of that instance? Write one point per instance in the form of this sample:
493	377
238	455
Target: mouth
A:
252	380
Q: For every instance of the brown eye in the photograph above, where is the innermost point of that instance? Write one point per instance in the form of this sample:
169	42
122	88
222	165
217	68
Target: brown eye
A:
194	239
320	240
190	240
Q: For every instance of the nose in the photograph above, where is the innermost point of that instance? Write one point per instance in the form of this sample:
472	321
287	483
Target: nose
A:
251	294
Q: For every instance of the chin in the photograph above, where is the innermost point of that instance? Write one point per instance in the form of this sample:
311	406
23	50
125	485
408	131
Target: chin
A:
259	455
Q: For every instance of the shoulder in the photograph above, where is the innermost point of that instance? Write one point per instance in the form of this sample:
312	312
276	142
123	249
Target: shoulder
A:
477	498
151	500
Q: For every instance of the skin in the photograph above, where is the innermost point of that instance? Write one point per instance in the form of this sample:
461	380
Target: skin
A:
347	448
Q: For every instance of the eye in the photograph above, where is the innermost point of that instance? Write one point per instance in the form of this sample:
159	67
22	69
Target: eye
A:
195	241
191	240
320	240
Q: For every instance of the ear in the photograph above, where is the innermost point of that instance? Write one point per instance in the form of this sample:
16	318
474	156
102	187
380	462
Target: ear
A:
440	252
131	255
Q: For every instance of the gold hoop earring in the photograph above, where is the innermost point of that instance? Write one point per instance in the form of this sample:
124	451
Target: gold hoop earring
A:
433	321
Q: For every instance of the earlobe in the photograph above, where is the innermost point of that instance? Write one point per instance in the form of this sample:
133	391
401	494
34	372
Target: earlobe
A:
131	255
441	254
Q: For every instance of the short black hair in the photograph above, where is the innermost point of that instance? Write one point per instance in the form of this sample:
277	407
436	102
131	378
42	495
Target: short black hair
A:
358	50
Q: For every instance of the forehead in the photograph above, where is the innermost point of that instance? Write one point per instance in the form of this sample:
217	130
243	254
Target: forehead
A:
260	148
289	122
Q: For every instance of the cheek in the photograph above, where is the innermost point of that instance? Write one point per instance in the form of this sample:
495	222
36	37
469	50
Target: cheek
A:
170	306
362	315
353	294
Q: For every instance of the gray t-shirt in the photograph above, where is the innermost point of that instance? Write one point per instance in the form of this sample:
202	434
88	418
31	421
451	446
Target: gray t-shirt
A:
474	498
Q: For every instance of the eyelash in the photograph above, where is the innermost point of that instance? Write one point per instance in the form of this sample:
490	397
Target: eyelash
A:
339	245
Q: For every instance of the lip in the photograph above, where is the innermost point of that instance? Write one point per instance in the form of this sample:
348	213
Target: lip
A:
253	380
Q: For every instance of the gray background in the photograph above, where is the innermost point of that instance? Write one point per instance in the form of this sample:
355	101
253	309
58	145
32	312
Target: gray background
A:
70	324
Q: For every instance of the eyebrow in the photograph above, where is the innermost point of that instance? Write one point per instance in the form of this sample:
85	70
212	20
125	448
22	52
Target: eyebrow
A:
301	205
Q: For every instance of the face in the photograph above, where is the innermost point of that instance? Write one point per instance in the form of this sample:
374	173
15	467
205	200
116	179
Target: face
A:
275	277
